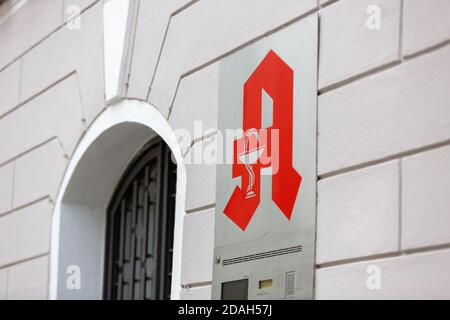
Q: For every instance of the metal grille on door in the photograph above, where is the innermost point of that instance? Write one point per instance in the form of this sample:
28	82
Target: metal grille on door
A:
140	228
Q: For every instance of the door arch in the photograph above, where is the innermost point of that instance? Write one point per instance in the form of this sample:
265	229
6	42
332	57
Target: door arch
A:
139	228
97	165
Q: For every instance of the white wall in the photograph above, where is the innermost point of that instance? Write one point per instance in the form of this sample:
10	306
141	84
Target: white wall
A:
51	88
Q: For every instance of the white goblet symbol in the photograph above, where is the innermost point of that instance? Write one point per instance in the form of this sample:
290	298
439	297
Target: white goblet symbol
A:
250	157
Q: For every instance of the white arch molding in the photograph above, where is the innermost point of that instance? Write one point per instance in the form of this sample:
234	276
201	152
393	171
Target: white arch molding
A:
79	219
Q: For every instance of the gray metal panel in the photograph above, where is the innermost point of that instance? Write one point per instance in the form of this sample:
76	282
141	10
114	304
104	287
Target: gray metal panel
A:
272	246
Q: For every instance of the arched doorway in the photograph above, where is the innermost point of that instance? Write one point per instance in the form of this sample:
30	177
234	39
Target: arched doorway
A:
115	139
139	228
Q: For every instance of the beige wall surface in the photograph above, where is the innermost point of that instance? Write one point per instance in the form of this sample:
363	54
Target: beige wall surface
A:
383	130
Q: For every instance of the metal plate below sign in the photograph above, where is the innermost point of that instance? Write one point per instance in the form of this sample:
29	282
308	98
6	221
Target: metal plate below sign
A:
265	226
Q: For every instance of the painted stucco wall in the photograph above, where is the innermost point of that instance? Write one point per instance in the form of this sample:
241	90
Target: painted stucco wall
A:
383	130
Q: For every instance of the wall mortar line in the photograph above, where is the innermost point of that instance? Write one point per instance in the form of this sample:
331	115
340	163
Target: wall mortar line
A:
21	55
381	160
